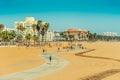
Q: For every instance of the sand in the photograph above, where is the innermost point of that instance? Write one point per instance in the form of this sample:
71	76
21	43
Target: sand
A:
14	59
103	62
42	70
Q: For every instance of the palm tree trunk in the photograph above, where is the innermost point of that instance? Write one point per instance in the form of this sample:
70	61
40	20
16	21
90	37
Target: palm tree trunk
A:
29	42
42	38
34	32
26	42
34	43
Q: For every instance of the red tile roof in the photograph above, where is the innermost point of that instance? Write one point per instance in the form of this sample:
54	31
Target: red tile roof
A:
74	30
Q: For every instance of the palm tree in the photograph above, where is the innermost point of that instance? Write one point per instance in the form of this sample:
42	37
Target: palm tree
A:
35	38
38	27
61	35
39	24
44	29
68	38
1	27
91	36
12	35
42	33
100	37
34	28
5	37
71	37
20	28
28	37
0	36
95	36
46	26
19	37
79	36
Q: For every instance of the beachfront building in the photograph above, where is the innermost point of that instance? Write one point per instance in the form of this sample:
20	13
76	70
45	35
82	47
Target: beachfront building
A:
30	26
112	34
57	36
50	35
53	36
76	34
27	24
7	29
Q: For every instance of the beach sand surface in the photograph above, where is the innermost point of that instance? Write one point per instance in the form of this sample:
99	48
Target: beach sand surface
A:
102	63
99	61
14	59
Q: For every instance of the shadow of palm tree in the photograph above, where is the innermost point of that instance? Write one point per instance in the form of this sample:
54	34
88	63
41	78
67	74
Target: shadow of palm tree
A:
81	54
101	75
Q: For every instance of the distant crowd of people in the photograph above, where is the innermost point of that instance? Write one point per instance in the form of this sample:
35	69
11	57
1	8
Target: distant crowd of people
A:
59	46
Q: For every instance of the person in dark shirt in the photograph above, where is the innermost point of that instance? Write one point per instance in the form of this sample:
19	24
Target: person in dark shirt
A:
50	58
43	50
58	49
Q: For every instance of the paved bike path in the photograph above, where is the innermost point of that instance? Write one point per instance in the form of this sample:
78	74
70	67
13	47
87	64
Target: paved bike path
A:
42	70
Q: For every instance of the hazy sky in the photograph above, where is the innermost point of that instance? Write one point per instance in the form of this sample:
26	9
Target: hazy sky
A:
93	15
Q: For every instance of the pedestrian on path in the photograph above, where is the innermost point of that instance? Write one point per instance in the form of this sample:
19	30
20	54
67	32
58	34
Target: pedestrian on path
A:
43	50
58	49
50	58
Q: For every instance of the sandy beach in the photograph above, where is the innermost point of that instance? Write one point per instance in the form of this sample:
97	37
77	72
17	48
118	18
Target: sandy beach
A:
59	39
14	59
99	61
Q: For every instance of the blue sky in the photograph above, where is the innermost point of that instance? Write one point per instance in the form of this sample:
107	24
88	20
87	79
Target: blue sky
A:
94	15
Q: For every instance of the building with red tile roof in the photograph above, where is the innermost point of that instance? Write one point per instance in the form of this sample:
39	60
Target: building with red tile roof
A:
76	34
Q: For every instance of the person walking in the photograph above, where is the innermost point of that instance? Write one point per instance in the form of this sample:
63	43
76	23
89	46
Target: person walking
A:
58	49
50	58
43	50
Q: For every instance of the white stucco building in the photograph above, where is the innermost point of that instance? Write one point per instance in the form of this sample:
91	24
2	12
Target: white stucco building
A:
110	34
50	35
27	23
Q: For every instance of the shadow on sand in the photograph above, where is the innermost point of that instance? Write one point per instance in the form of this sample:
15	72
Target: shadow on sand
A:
87	56
99	76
